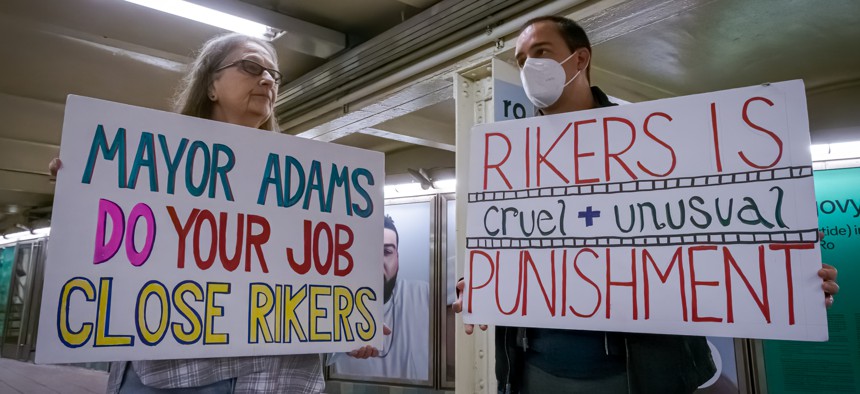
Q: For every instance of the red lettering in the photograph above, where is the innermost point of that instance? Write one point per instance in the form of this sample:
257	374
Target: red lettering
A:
695	283
497	166
527	259
659	141
541	158
342	250
323	267
230	263
472	274
182	231
763	130
528	160
664	276
205	215
520	270
304	266
631	284
585	278
716	134
763	303
257	241
790	283
577	155
616	156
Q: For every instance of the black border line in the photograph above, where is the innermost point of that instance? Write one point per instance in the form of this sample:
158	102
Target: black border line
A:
709	239
636	186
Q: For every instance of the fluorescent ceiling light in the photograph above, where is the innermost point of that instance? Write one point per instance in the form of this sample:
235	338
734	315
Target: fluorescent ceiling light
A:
838	151
24	236
414	189
211	17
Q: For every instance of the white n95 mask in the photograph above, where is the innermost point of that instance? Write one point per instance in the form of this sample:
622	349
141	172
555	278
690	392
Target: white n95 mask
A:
543	80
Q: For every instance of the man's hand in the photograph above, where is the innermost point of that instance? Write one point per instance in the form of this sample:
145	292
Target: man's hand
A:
458	307
830	287
369	351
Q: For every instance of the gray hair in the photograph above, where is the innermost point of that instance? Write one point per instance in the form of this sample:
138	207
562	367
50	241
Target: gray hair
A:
192	97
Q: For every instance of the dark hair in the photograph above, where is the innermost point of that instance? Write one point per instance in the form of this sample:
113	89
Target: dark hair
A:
389	224
192	97
572	33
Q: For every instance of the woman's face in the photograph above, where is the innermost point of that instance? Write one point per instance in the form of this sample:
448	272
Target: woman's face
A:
240	97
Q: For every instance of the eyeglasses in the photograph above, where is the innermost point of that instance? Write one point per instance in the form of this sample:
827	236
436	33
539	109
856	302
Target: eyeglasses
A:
254	68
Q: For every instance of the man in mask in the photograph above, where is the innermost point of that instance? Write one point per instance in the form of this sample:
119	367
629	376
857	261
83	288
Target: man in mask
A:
554	54
405	354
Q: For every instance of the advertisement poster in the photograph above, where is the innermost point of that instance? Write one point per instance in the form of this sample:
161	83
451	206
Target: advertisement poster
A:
797	367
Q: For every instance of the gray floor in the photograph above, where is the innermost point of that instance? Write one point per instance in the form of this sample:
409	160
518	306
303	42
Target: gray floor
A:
22	377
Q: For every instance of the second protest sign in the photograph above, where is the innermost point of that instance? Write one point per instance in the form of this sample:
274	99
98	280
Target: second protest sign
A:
693	215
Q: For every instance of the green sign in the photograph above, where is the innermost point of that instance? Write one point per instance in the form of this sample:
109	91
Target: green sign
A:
7	256
833	366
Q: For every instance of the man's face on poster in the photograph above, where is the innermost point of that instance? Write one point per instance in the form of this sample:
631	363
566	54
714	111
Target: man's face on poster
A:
390	257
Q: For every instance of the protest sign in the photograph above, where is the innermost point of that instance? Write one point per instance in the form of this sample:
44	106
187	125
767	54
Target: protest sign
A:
179	237
692	215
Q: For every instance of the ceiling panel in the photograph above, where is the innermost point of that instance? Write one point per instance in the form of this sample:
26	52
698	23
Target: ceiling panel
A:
734	43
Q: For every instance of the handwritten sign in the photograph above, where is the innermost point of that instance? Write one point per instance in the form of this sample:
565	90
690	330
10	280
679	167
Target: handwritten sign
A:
178	237
691	215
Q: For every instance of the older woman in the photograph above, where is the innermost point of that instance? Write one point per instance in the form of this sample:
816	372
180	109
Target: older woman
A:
233	79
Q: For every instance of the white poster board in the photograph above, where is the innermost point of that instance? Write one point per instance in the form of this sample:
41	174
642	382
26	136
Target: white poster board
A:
691	215
179	237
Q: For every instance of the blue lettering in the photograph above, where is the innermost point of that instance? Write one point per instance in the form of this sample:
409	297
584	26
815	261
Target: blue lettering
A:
338	180
221	170
172	162
108	152
197	190
146	146
271	176
368	209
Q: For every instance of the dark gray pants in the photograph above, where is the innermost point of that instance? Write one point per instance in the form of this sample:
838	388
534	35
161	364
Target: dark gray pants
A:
536	381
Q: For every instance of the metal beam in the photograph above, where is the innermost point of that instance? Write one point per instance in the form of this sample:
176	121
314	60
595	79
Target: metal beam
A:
397	104
420	37
407	139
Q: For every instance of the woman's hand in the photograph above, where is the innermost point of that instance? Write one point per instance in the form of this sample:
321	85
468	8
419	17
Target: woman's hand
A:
54	167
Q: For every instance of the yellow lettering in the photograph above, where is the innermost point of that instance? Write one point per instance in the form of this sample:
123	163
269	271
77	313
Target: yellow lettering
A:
279	307
291	320
213	311
365	331
316	313
259	312
68	336
343	306
157	289
193	335
103	338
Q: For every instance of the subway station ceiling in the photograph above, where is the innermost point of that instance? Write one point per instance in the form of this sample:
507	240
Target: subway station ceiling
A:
644	50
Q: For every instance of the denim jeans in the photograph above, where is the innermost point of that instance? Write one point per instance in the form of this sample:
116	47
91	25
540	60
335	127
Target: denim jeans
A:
131	384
